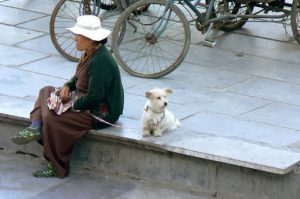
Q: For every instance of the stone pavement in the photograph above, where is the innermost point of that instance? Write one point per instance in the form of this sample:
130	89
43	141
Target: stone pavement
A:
238	102
16	182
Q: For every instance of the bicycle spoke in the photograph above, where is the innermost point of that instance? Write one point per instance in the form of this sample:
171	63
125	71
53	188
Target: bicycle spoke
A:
162	35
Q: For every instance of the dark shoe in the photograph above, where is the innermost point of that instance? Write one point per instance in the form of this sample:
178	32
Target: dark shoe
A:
45	173
27	135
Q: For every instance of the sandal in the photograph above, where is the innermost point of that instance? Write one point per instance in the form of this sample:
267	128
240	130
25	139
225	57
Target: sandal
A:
27	135
45	173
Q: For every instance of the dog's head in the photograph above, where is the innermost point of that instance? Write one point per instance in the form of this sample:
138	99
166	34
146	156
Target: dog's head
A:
158	99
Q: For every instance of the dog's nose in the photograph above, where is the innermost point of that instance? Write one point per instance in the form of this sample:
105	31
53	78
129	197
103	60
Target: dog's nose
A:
166	103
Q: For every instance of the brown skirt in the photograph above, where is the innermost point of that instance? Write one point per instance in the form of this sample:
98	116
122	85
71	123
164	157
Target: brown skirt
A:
60	132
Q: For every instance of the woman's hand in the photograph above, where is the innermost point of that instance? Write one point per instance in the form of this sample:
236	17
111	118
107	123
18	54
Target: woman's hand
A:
65	93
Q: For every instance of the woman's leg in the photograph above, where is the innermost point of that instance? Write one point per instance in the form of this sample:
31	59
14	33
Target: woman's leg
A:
61	132
41	103
34	131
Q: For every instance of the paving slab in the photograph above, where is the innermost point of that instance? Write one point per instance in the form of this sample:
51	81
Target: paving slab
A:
55	66
266	68
273	90
211	78
210	57
24	83
40	6
238	128
9	53
40	24
13	16
16	181
203	98
225	150
17	106
36	43
276	114
276	31
16	35
283	51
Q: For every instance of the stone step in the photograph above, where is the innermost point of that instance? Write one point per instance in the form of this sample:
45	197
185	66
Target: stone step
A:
81	183
223	168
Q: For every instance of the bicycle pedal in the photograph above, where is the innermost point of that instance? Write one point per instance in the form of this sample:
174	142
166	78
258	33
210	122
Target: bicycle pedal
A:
208	43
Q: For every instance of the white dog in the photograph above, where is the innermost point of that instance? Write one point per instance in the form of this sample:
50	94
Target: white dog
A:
156	118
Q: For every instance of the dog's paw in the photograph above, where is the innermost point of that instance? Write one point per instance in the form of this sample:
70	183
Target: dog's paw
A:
146	133
157	133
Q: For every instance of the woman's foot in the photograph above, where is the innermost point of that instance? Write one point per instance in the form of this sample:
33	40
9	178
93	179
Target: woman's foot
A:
27	135
45	173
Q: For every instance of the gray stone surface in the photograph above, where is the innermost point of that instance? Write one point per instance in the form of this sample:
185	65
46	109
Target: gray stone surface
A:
40	6
40	44
268	89
23	83
40	24
15	35
266	68
260	47
20	16
55	66
275	114
16	181
9	53
240	99
276	31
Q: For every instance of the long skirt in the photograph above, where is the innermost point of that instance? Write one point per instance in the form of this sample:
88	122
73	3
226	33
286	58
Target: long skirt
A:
60	132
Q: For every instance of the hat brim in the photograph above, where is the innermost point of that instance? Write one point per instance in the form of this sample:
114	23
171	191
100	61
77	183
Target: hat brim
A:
95	35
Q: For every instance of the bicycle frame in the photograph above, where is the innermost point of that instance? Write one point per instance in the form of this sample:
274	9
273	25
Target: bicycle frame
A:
154	42
205	19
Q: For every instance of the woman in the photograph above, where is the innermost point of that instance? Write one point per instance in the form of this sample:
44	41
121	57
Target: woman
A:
98	92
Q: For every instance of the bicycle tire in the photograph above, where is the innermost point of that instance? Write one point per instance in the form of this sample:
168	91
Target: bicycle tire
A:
64	16
232	7
295	17
139	52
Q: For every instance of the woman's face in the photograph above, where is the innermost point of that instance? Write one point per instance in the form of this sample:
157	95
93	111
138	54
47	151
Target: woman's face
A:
83	43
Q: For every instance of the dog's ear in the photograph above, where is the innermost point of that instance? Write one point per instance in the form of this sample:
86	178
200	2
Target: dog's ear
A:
168	91
148	94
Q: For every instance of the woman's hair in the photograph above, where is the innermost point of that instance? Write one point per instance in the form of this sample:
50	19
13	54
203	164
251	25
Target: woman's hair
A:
103	41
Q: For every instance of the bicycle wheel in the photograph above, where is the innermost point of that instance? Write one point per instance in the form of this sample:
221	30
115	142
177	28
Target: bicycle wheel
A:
152	43
295	19
223	7
64	16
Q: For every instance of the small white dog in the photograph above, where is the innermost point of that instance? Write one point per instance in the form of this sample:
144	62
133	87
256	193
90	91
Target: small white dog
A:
156	118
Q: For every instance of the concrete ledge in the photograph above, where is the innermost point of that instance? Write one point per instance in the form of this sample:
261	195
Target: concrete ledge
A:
167	159
218	149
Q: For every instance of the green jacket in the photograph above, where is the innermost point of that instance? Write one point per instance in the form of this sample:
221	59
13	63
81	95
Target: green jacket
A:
104	95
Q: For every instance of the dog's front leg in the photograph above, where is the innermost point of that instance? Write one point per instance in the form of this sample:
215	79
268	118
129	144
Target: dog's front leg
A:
146	131
157	132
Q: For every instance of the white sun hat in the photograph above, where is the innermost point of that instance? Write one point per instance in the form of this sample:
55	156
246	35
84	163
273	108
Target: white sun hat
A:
90	27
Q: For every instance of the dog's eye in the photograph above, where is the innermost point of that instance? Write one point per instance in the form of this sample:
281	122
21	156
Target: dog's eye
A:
158	97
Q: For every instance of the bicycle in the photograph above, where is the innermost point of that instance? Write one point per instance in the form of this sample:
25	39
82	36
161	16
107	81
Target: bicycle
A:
64	16
154	43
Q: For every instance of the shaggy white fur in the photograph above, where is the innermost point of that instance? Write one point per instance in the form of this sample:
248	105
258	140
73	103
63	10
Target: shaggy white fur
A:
156	118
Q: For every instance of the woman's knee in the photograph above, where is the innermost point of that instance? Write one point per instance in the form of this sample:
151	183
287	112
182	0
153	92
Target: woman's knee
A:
47	89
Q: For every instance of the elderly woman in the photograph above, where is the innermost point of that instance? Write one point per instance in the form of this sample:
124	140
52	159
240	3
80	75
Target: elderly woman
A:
97	90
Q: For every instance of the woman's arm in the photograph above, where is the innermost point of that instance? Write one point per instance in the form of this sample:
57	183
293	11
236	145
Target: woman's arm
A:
71	83
100	76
